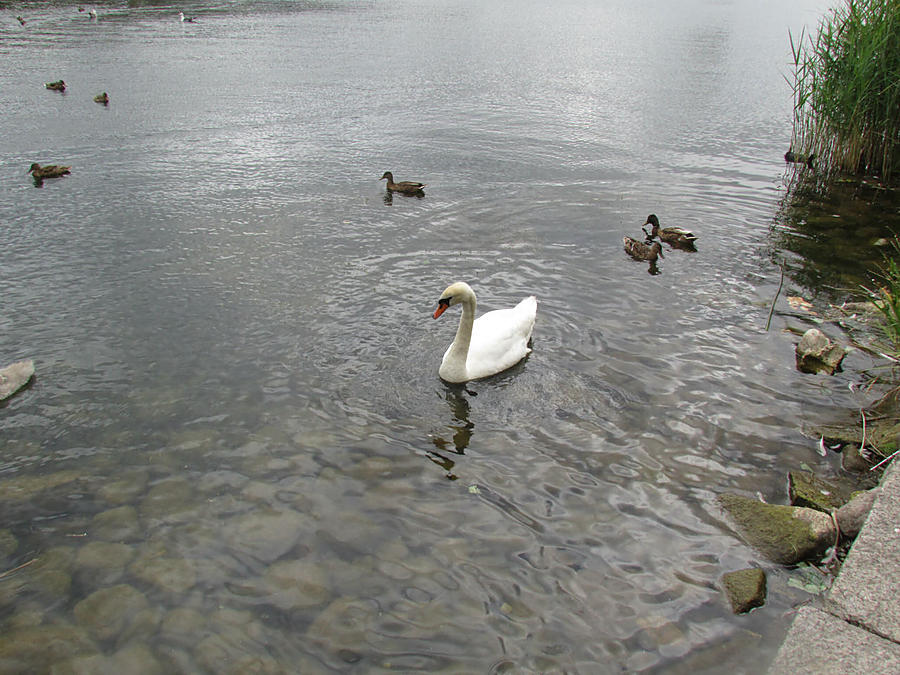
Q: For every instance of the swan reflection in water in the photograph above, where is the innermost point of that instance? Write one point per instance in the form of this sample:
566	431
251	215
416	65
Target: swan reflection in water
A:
461	428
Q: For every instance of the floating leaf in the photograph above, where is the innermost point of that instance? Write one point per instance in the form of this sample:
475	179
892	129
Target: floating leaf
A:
473	489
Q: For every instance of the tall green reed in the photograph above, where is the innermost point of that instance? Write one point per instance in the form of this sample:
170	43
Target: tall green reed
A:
846	85
886	295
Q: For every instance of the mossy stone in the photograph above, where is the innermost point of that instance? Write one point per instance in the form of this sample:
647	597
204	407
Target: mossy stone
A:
807	489
746	589
784	534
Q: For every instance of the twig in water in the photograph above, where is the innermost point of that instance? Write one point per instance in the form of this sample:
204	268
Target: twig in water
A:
886	459
16	569
775	299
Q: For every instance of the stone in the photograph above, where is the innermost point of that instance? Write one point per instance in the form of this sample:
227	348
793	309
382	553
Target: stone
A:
816	353
267	534
852	515
295	584
173	575
745	589
822	644
807	489
107	612
24	488
15	376
125	490
119	524
133	658
102	562
172	500
865	591
33	649
852	460
785	535
8	543
182	624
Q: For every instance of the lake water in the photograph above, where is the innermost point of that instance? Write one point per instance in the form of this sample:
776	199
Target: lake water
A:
237	455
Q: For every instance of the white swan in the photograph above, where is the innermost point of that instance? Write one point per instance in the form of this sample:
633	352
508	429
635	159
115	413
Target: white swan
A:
494	342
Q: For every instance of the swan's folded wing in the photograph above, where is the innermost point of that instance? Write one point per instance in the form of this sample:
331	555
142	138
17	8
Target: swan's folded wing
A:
500	339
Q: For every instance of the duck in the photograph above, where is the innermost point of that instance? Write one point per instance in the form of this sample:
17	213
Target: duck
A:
488	345
21	20
408	187
59	85
102	98
676	236
642	250
50	171
185	19
792	157
92	14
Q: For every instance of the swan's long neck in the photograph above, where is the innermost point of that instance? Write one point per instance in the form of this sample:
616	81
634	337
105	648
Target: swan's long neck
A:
459	350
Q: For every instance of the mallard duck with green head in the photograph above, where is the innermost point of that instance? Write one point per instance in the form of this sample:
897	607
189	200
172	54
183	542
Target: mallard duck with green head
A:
406	186
642	250
59	85
50	171
102	98
676	236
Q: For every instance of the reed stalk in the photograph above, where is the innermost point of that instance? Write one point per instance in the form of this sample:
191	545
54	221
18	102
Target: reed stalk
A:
846	87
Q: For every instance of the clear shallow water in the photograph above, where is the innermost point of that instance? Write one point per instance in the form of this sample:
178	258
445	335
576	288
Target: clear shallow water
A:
237	367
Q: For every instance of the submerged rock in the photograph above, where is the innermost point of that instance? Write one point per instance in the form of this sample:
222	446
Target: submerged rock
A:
745	589
33	649
807	489
8	543
134	658
816	353
109	611
784	534
117	525
14	377
296	584
102	562
852	515
174	575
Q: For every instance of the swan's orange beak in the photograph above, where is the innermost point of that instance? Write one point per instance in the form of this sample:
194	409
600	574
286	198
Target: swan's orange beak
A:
442	306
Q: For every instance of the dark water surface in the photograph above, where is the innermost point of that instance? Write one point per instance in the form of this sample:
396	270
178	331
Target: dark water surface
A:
237	455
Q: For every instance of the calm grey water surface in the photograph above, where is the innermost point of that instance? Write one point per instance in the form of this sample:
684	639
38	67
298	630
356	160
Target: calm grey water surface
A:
232	330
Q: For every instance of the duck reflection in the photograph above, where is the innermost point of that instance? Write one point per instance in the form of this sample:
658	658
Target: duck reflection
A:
389	196
461	428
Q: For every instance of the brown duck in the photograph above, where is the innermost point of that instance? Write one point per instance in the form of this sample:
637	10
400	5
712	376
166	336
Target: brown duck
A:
408	187
50	171
676	236
59	85
792	157
641	250
102	98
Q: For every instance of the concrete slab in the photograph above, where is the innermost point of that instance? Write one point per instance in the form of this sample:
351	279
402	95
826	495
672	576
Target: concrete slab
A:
821	644
866	590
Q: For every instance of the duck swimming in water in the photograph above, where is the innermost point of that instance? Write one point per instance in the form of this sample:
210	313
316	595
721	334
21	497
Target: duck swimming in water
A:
676	236
642	250
407	187
59	85
50	171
